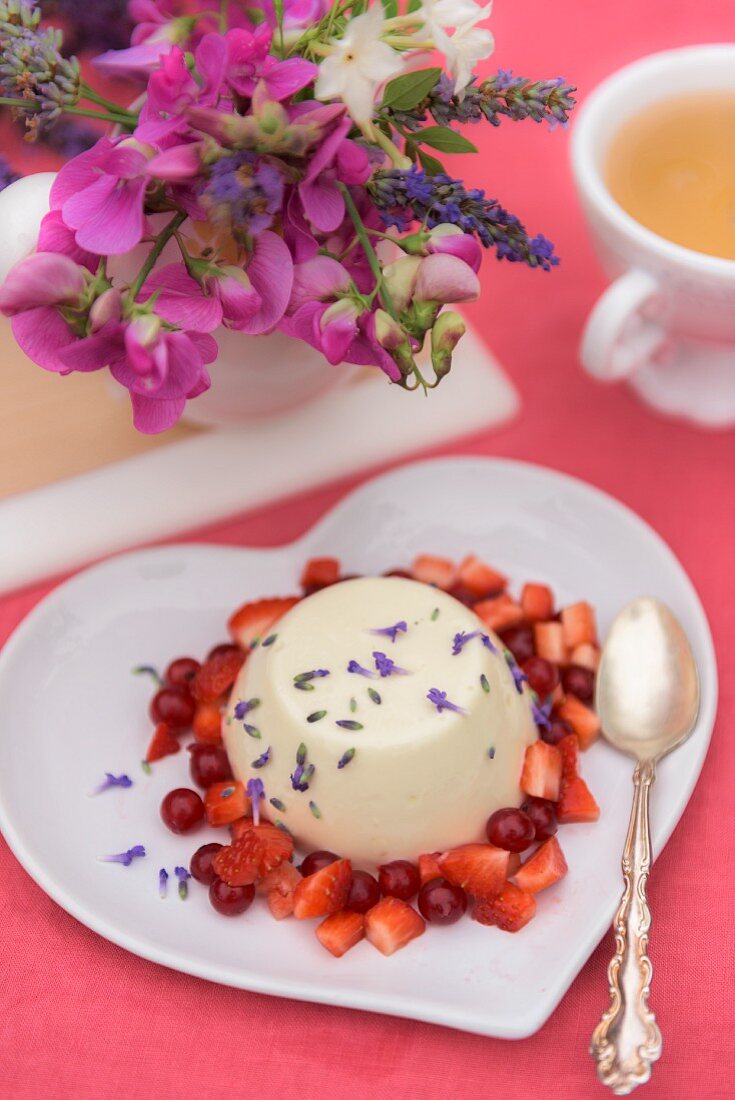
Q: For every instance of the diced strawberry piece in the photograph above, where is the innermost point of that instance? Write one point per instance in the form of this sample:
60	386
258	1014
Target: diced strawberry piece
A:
217	675
545	867
320	573
257	851
576	803
225	802
541	775
207	723
586	656
391	924
537	601
239	827
581	718
432	570
254	621
569	749
341	931
514	862
429	867
548	640
279	886
323	892
163	743
579	624
480	869
479	578
499	613
511	910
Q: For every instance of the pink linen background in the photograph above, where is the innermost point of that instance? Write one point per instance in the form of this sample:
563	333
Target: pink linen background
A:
82	1020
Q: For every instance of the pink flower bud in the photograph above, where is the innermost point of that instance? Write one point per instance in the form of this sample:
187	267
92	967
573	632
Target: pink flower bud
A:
450	239
108	307
445	278
445	335
43	279
400	280
388	332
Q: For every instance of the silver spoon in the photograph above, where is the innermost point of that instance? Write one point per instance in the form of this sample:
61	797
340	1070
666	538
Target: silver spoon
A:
648	700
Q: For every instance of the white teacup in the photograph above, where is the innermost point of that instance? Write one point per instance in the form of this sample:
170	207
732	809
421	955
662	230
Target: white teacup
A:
667	322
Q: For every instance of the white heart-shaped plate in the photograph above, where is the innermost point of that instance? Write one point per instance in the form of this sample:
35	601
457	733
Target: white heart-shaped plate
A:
70	710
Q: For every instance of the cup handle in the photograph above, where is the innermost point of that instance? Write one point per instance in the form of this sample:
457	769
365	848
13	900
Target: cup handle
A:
617	339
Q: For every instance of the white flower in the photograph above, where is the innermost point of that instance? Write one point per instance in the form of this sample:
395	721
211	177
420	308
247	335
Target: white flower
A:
360	61
465	47
448	13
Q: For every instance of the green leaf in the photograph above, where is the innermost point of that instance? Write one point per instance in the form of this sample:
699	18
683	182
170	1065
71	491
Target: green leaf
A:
430	165
390	7
413	6
444	139
278	10
405	92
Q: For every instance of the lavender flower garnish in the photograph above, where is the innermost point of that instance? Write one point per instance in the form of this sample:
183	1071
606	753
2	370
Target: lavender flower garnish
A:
148	670
110	781
375	696
386	667
392	631
353	705
303	685
491	752
357	668
460	640
33	71
313	674
255	791
301	754
316	716
485	683
434	615
541	715
262	760
301	777
245	706
519	678
488	644
345	758
277	804
284	828
317	813
183	876
252	731
269	640
162	883
348	724
126	858
439	700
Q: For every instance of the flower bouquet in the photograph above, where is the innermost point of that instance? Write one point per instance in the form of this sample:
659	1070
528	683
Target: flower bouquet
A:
279	170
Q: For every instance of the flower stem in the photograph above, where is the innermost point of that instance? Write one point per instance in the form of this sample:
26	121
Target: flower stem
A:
163	238
114	108
388	147
119	120
368	249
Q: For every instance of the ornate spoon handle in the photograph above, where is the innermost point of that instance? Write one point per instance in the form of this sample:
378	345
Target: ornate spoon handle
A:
627	1039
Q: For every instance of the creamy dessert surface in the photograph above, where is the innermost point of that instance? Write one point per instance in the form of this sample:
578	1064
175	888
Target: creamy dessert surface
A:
359	713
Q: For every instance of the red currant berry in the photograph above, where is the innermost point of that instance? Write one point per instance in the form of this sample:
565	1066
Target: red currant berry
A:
399	573
315	861
201	863
542	675
182	810
209	764
519	640
543	816
558	729
222	649
511	830
464	595
440	902
399	879
181	672
364	892
230	901
174	706
579	681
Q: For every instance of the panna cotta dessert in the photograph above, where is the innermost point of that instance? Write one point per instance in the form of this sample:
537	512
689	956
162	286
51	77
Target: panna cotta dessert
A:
383	720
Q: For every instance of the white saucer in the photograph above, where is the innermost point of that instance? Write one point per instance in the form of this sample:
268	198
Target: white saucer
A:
70	710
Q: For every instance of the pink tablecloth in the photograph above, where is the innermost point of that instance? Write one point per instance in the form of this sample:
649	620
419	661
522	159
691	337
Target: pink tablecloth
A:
82	1020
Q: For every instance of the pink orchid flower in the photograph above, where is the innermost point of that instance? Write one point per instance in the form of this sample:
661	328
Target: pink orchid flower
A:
451	239
100	194
154	34
30	294
337	160
250	62
250	299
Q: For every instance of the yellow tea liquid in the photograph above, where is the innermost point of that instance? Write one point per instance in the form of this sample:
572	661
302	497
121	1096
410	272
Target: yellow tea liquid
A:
672	168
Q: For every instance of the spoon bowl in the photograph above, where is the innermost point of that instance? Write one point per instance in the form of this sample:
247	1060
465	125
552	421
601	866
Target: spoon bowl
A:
647	685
